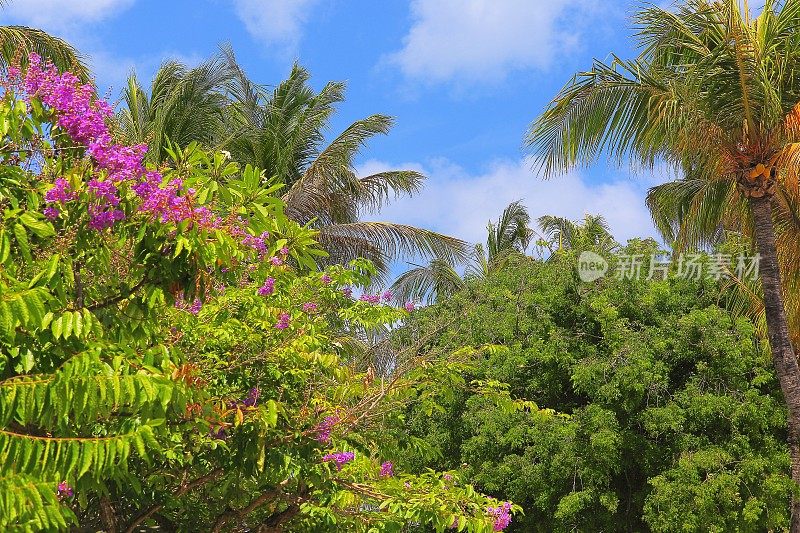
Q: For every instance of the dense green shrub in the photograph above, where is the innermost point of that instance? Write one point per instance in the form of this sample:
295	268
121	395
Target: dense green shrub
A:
672	415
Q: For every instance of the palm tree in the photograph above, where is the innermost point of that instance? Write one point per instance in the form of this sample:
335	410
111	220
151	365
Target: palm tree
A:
512	233
185	105
282	132
18	42
560	233
439	279
713	93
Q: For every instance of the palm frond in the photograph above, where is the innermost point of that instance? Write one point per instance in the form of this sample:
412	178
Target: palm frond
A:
185	105
431	283
18	42
397	240
693	213
512	231
331	170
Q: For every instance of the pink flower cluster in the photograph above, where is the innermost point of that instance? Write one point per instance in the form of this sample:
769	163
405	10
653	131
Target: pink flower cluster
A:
387	469
267	288
376	298
60	193
409	306
326	279
182	304
252	397
283	321
325	427
502	516
258	244
82	116
309	307
78	115
64	490
340	458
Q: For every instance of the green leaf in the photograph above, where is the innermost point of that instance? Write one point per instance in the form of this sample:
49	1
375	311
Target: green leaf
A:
5	246
22	241
39	227
27	361
57	326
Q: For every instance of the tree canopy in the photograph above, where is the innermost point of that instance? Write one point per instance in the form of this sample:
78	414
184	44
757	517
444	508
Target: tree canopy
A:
665	414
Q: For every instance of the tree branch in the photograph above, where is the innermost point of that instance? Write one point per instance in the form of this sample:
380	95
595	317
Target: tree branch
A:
252	506
118	298
180	491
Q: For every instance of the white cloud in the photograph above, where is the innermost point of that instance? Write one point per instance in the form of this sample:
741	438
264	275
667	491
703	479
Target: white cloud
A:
275	22
475	40
62	14
456	203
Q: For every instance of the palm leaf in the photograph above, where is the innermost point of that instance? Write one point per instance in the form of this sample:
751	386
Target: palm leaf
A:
392	241
18	42
431	283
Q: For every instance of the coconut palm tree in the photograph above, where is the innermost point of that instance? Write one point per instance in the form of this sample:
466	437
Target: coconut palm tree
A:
17	42
185	105
511	233
439	279
282	132
560	233
714	93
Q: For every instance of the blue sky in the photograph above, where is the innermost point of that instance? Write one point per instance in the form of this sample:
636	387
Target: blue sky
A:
463	78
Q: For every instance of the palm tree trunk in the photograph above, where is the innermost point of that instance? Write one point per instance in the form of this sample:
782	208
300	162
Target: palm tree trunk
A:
783	356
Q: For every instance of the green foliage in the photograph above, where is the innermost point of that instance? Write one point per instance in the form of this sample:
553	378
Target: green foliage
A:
669	417
181	374
31	504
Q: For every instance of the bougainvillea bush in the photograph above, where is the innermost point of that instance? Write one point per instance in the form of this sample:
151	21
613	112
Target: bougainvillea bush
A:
170	355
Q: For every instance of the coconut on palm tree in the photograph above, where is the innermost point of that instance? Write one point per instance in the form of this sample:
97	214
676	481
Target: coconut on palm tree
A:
715	93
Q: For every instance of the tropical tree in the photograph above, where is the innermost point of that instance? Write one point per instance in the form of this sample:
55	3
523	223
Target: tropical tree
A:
185	105
282	132
559	233
685	219
674	417
713	91
439	279
169	354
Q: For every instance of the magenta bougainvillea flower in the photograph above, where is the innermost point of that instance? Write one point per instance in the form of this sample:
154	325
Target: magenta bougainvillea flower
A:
340	458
